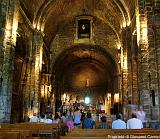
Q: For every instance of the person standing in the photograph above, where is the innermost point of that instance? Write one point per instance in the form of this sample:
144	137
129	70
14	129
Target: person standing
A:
118	123
77	117
141	115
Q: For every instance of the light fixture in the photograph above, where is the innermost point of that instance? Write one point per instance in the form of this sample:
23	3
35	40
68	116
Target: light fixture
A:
87	100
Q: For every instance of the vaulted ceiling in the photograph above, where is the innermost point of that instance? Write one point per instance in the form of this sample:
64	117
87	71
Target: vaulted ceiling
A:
52	14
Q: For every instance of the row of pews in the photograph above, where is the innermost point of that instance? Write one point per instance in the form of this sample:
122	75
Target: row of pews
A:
145	133
58	131
32	131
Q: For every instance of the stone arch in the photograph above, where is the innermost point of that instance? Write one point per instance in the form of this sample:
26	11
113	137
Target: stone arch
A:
74	55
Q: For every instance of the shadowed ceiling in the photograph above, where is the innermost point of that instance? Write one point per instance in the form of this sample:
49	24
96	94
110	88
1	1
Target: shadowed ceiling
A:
52	14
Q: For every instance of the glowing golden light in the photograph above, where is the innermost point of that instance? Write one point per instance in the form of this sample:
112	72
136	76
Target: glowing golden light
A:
30	113
109	96
41	57
125	66
137	22
124	24
144	36
38	27
118	46
34	25
116	97
42	91
128	23
64	97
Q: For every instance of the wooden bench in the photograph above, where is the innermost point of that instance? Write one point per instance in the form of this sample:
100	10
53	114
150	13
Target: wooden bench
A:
10	135
23	132
65	137
87	135
112	133
37	129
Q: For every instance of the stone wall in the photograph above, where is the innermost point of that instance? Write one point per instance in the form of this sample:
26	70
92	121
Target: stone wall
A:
103	36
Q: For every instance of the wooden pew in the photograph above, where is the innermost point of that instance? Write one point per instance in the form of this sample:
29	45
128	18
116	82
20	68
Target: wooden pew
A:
112	133
136	133
38	129
117	131
87	135
91	131
65	137
10	135
25	134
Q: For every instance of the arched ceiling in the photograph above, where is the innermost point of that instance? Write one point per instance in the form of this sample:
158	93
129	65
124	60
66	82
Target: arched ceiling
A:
81	63
50	15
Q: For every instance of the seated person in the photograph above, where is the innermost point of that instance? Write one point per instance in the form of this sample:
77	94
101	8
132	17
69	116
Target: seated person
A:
103	124
118	123
48	120
63	118
42	117
70	123
34	118
134	123
56	119
88	122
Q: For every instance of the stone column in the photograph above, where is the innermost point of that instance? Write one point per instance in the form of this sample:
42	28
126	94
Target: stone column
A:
9	23
37	63
155	56
143	56
134	71
124	69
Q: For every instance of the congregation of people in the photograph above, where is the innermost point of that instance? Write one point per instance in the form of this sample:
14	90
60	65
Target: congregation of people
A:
85	120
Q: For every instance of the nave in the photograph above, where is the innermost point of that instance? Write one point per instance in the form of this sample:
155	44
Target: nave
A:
100	55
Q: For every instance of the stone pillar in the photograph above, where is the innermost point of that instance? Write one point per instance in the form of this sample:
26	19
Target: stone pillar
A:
37	63
9	20
134	84
124	69
133	71
143	56
154	40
